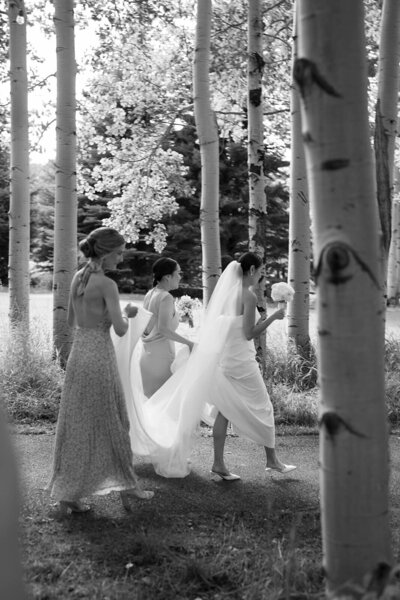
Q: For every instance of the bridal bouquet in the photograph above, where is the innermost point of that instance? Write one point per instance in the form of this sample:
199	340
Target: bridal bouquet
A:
282	292
185	306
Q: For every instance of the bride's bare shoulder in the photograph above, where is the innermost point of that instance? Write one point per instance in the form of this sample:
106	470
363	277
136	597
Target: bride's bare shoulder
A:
249	295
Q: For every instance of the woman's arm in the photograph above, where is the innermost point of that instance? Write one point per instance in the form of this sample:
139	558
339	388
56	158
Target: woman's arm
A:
71	320
111	298
165	313
251	328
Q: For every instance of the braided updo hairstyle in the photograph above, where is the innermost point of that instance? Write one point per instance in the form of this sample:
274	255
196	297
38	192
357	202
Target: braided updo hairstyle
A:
100	242
249	259
163	266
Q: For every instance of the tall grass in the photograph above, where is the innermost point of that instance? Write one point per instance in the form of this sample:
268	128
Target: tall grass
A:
30	378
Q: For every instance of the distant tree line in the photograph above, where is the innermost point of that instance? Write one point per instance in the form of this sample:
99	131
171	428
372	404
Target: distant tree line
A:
183	228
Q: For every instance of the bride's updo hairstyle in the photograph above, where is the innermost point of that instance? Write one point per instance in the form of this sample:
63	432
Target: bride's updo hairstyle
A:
249	259
163	266
100	242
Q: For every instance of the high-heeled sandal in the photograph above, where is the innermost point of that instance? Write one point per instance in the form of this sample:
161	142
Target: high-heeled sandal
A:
67	507
283	470
226	476
126	495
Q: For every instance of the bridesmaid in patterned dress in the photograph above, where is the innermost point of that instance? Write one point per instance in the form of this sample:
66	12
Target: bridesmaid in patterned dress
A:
158	351
92	450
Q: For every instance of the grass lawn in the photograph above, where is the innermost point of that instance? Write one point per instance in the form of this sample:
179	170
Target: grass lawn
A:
196	540
258	539
41	308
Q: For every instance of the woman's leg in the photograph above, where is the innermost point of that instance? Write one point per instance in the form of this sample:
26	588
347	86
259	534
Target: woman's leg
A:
273	461
219	437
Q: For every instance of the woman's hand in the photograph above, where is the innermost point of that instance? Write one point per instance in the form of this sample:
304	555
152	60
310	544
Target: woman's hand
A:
190	344
279	314
130	310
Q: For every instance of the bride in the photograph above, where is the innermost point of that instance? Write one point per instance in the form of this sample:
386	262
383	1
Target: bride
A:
219	382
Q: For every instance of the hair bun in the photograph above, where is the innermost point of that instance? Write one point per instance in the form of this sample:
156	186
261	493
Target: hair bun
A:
86	247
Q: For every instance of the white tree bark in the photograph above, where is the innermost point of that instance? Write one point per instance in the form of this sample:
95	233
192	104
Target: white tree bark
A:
207	131
393	262
332	78
65	222
19	281
255	69
386	126
396	237
299	228
257	199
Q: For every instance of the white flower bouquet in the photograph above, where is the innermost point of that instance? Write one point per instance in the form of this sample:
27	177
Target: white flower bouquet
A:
282	293
185	307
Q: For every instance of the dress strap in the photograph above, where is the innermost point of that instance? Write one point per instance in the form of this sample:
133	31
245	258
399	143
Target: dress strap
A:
89	268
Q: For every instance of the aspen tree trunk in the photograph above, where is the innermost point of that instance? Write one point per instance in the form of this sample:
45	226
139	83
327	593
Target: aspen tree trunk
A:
393	262
207	131
299	228
386	123
396	237
65	222
257	200
19	168
354	458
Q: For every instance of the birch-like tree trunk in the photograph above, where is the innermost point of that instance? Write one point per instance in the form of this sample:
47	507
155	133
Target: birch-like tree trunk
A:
395	256
386	131
207	131
394	253
257	199
299	227
354	460
19	216
65	221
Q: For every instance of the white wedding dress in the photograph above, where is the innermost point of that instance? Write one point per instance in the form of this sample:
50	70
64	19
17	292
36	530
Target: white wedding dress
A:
221	374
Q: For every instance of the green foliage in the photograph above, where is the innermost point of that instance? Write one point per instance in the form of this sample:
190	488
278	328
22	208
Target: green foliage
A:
286	366
392	379
42	215
30	378
294	408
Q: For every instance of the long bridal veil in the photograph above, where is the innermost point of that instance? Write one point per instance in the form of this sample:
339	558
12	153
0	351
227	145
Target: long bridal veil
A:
162	427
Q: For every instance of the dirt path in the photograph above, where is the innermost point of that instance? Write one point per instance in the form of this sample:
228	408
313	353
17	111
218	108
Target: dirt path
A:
295	491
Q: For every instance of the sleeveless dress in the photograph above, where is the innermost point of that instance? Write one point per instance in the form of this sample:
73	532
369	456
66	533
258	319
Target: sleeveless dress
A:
220	375
239	392
92	450
158	352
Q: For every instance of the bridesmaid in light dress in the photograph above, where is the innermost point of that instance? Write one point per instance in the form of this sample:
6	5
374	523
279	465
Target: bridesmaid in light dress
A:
92	450
158	351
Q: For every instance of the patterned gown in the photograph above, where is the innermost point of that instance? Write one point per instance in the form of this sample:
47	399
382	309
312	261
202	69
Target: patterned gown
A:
92	450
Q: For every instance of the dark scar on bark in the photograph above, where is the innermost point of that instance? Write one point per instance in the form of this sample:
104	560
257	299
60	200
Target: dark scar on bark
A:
306	73
335	164
333	422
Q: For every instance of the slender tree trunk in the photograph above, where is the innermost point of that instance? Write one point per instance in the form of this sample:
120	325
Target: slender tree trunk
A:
65	222
396	237
386	130
354	458
393	262
207	131
19	168
256	154
299	229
